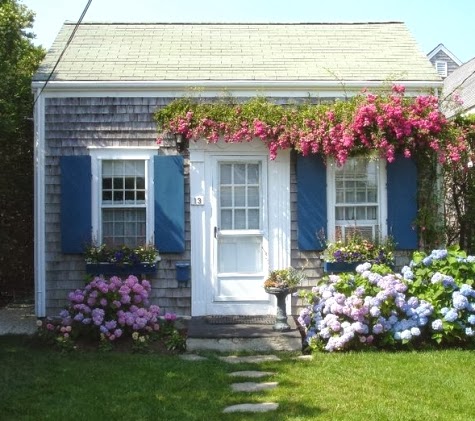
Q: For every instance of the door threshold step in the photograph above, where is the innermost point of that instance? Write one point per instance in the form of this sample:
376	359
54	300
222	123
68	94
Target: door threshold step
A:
203	335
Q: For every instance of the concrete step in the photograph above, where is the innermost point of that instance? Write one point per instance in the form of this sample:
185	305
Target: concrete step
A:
203	335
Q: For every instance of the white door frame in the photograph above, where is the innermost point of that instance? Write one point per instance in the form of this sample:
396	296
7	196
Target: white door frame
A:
202	230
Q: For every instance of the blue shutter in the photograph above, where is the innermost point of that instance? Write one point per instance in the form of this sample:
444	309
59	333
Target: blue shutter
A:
402	202
311	201
76	223
169	192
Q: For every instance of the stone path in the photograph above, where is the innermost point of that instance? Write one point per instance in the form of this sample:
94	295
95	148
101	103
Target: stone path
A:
247	386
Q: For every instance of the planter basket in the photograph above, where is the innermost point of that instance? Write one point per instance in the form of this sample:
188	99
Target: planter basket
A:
340	267
111	269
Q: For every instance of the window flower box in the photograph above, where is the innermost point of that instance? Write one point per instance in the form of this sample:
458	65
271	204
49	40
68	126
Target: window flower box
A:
111	269
104	260
340	267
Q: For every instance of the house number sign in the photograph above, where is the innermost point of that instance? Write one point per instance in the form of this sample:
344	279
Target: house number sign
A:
198	200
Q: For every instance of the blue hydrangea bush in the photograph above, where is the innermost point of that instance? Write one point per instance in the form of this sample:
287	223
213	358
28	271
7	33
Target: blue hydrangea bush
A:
431	301
107	311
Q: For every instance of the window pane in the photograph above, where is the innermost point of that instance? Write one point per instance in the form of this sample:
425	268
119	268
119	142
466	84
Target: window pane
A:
129	183
107	183
140	182
372	212
118	196
360	196
107	168
360	213
339	213
372	195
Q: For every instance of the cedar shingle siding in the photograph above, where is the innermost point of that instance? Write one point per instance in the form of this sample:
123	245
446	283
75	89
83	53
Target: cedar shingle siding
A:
71	125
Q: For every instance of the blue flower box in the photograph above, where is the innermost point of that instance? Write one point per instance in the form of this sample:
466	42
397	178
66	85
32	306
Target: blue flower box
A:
340	267
111	269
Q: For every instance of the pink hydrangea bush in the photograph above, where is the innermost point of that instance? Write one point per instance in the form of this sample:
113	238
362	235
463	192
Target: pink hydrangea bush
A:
107	310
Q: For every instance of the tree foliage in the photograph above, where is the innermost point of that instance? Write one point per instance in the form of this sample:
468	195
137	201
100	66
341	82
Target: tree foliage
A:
19	59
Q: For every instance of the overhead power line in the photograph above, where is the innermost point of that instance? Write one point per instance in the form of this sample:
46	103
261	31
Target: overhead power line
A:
64	49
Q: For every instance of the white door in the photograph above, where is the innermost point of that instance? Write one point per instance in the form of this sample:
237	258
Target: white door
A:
240	243
240	226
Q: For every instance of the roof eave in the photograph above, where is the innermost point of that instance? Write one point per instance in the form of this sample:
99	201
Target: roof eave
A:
185	85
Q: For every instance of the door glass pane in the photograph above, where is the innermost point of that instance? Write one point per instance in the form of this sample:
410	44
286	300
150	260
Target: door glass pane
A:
253	196
238	196
240	219
226	173
253	174
239	174
226	197
253	219
226	219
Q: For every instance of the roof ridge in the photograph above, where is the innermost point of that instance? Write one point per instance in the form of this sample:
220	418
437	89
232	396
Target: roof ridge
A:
234	23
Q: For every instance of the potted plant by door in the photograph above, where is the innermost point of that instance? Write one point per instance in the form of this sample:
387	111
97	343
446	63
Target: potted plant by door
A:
282	282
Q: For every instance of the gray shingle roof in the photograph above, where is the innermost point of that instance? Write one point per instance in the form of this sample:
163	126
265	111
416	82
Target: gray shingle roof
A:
240	52
462	82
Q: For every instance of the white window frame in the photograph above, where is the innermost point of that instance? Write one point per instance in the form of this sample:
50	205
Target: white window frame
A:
331	199
117	153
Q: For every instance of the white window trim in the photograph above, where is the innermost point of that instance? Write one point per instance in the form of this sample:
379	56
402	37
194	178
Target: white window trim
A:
121	153
331	200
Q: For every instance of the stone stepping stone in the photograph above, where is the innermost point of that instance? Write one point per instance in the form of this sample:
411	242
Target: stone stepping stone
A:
253	387
304	357
253	374
233	359
192	357
252	407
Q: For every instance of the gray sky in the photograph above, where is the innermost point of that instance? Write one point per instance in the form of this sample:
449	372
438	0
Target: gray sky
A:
431	22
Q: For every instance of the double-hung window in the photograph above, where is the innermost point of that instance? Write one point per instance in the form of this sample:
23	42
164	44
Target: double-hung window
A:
357	199
123	206
122	181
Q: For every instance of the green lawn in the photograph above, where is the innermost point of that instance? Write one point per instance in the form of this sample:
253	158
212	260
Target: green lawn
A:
41	384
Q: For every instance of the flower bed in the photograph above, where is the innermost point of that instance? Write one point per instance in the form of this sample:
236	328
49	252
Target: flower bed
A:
431	301
107	311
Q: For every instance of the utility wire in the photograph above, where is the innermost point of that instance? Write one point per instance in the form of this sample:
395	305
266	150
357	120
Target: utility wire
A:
64	49
458	86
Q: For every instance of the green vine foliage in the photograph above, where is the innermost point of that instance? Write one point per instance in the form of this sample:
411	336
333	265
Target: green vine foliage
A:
381	124
459	182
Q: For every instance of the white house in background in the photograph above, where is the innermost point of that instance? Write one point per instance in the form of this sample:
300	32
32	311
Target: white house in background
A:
461	82
224	208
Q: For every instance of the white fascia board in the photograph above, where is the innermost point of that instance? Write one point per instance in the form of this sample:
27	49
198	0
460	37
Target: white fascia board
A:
235	87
